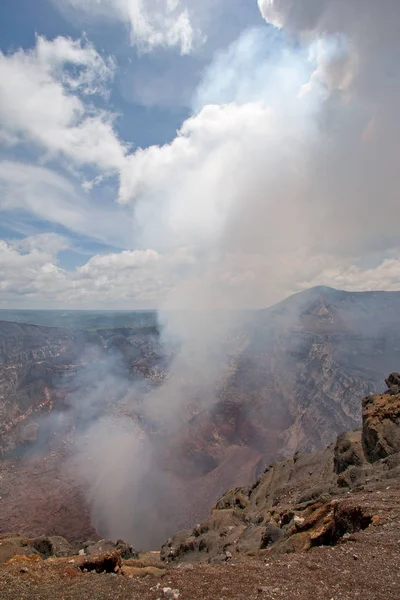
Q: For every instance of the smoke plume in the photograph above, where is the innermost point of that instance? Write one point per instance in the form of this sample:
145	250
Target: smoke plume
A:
285	176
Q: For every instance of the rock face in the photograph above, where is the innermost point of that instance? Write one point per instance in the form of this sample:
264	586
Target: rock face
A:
302	502
39	367
30	358
381	423
296	376
297	373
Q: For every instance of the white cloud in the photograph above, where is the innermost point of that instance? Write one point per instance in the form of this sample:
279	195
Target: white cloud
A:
385	276
304	176
152	23
26	274
41	102
285	177
30	276
48	196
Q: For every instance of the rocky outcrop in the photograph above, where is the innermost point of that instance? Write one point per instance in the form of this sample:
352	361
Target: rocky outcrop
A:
125	550
381	423
302	502
348	451
58	547
13	545
108	561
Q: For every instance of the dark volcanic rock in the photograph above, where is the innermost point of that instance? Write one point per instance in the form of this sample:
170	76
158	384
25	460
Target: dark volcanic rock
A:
52	546
108	561
60	546
393	383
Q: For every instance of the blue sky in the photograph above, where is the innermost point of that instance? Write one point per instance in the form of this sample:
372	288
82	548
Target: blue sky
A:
150	151
150	113
151	93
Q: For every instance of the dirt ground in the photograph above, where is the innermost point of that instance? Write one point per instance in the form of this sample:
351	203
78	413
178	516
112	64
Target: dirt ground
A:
364	565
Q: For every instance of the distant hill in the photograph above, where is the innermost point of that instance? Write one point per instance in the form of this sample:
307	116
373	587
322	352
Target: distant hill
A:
82	319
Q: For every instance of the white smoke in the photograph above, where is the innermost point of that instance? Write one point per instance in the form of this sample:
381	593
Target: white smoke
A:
285	176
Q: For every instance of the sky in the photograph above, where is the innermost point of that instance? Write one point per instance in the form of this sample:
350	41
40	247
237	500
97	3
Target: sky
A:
197	154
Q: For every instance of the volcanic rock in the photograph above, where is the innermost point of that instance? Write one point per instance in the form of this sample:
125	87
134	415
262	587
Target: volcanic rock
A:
393	383
348	451
13	546
125	550
108	561
301	503
381	425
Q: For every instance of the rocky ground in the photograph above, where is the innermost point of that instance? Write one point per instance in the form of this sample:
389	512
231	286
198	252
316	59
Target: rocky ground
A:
323	526
363	565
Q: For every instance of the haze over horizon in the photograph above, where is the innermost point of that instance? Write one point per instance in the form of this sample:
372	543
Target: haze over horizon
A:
164	154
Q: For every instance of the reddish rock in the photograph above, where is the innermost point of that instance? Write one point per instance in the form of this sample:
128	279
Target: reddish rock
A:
381	426
109	562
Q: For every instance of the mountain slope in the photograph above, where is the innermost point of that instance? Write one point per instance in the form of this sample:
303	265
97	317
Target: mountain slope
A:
298	380
304	501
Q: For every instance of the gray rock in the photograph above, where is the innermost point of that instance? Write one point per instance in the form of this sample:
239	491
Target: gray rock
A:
348	451
43	545
271	535
60	546
126	550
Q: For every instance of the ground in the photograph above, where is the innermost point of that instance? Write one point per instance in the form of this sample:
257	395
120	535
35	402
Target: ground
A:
363	565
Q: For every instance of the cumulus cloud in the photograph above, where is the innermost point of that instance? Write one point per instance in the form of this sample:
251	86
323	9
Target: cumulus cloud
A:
30	276
284	176
45	194
31	271
152	23
289	159
42	93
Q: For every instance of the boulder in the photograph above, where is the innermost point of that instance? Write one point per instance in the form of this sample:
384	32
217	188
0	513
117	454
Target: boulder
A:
54	545
60	546
393	383
13	547
348	451
43	545
381	425
125	550
271	535
108	562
